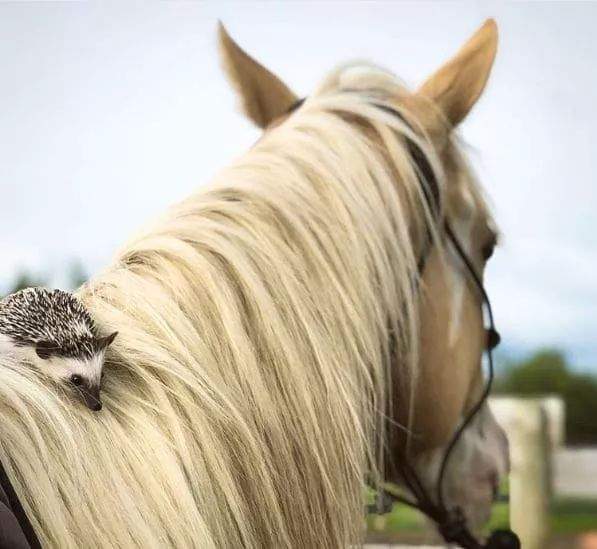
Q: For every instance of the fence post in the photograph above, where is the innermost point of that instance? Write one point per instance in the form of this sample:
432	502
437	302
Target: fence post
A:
529	491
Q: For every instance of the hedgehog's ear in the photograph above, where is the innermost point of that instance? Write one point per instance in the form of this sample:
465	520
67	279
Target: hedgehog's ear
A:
105	342
44	349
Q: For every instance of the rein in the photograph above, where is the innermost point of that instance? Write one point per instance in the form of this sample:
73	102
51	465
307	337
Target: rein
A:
451	522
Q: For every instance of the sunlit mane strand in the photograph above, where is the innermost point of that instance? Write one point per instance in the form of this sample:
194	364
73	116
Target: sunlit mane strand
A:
246	392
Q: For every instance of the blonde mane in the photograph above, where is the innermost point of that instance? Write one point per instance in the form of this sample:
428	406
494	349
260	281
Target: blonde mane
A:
246	396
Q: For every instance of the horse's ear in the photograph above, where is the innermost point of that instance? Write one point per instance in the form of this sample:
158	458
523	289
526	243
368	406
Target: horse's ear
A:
263	95
457	85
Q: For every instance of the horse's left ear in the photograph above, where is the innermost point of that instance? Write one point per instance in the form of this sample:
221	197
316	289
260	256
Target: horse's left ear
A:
264	97
457	85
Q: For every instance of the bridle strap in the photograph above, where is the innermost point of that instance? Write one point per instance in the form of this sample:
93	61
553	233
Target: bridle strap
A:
451	523
474	411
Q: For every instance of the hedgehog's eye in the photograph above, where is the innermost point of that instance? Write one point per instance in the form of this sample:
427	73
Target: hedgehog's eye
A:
76	380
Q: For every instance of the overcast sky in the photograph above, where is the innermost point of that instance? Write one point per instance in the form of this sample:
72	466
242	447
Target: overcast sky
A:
110	112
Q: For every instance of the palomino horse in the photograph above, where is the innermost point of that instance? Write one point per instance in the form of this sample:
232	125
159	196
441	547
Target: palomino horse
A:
297	329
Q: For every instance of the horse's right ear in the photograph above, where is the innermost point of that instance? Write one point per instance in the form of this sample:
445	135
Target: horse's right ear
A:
457	85
264	97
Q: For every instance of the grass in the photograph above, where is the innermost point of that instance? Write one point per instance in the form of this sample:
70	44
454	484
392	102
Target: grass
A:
568	516
572	516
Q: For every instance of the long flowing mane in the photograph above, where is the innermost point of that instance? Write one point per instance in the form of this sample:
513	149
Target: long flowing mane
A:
247	392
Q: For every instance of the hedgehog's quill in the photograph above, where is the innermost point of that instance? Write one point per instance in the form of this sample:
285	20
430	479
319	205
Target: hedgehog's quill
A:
52	330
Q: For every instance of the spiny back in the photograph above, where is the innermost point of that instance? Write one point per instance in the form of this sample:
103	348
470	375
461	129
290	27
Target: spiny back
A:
37	315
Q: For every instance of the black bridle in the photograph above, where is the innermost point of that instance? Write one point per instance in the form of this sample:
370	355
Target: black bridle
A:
451	522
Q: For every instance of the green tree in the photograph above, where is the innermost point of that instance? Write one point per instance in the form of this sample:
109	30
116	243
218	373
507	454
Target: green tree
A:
76	275
547	372
26	280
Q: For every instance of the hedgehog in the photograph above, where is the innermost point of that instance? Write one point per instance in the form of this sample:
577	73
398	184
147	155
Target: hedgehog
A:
53	331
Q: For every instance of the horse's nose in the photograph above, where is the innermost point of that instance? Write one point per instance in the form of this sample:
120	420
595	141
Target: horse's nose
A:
493	338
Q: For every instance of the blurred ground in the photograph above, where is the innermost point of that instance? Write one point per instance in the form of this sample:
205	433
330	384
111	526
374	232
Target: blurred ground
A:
573	525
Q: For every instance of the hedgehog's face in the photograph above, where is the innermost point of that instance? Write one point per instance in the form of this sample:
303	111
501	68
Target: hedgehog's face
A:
53	331
81	374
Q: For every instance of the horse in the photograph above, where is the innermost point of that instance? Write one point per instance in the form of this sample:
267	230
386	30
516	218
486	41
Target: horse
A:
294	332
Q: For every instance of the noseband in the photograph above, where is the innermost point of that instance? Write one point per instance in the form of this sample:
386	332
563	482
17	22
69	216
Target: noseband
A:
451	522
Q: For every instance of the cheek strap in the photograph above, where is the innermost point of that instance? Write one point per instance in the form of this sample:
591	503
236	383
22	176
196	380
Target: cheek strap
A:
451	522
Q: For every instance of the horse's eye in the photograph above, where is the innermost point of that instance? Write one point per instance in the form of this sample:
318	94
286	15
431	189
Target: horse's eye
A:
76	380
487	251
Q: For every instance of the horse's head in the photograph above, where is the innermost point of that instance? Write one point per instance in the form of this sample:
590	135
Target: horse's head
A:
452	336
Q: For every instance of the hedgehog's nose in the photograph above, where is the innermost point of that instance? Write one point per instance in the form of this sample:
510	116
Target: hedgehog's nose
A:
96	406
91	396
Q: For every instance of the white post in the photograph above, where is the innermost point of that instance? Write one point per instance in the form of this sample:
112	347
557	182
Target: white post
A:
529	491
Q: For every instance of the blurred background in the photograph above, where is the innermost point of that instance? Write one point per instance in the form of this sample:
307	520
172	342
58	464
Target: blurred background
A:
110	112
